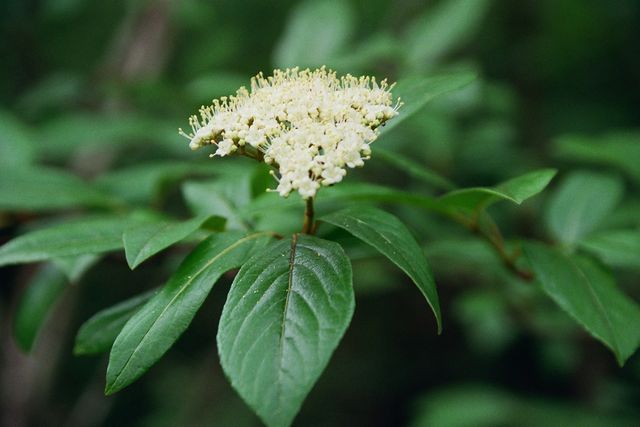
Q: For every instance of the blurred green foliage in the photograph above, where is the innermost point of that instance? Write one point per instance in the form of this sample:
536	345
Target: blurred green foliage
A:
92	94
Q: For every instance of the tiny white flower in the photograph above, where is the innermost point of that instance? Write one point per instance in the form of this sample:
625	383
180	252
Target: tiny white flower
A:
309	125
225	147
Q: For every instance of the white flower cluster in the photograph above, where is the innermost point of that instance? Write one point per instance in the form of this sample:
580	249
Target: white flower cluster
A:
309	125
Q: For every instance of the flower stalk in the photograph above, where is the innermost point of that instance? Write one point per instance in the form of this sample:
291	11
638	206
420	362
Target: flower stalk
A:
308	224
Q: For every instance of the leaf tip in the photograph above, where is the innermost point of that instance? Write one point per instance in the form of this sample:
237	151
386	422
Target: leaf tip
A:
550	173
132	261
114	383
110	388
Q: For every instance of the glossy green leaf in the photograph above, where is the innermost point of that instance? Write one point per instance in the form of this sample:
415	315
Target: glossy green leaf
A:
287	309
41	294
316	31
581	202
515	190
416	92
97	334
45	189
443	28
619	149
618	248
159	323
144	240
418	171
590	295
78	237
391	237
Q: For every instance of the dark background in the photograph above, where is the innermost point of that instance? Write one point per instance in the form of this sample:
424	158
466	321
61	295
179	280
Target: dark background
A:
94	86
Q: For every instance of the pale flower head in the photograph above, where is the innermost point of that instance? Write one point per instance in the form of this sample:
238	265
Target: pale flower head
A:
309	125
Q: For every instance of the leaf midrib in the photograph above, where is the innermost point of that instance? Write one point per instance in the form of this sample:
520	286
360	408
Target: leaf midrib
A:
292	257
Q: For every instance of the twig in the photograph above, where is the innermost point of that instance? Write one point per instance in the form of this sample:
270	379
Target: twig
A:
493	235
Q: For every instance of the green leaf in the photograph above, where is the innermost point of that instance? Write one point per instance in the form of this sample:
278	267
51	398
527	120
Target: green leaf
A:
414	169
581	202
316	31
339	195
16	142
213	84
150	179
144	240
391	237
468	405
44	189
619	149
75	131
416	92
98	333
287	309
58	90
73	238
379	47
223	197
625	215
515	190
589	294
618	248
160	322
443	28
42	292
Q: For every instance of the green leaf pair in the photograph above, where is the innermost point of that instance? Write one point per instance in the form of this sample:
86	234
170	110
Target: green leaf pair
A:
156	326
285	314
576	211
